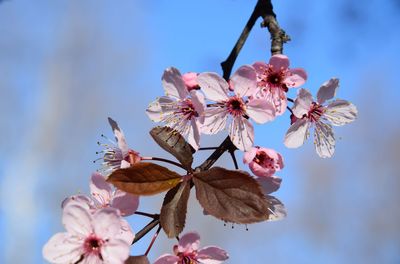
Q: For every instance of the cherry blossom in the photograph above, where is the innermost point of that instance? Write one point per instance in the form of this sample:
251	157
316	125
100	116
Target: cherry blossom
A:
179	109
263	162
90	238
190	80
237	106
117	155
322	117
187	251
274	79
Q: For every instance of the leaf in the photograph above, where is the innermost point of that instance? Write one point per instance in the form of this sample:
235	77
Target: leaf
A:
144	178
173	210
174	143
232	196
137	260
276	208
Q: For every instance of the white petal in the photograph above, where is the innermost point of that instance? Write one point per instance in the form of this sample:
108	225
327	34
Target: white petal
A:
324	140
214	120
194	134
302	103
100	189
199	104
244	81
241	133
91	259
297	134
115	251
106	223
157	110
340	112
173	83
214	87
63	248
126	234
327	90
77	219
119	136
260	110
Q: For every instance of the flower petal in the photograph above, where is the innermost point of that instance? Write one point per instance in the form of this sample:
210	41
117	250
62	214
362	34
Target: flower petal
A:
199	104
244	81
324	140
77	219
106	223
119	136
63	248
279	62
194	134
212	255
91	259
297	134
82	200
241	132
269	184
302	103
214	87
115	251
260	67
297	77
260	110
167	259
127	203
249	155
189	242
327	90
173	83
126	234
214	120
100	189
340	112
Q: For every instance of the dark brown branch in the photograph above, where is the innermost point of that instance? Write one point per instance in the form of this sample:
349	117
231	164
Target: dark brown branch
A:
234	159
146	229
226	145
167	161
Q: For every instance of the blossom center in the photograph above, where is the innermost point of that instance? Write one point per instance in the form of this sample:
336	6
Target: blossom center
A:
187	109
315	112
236	106
187	258
92	245
264	160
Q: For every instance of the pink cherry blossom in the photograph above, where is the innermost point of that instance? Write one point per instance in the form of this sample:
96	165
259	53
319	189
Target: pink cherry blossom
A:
237	107
263	162
180	109
117	155
104	195
190	80
90	238
317	114
187	251
274	79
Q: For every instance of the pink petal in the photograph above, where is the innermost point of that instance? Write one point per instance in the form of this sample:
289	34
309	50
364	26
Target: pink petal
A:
91	259
278	159
260	110
115	251
63	248
297	77
324	140
269	184
249	155
199	104
190	80
106	223
125	202
82	200
119	135
126	234
279	62
261	171
214	120
302	103
194	134
212	255
260	67
189	242
77	219
173	83
167	259
100	189
214	87
327	90
241	132
277	97
340	112
244	81
297	134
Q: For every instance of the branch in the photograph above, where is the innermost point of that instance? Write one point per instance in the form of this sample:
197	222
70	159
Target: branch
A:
146	229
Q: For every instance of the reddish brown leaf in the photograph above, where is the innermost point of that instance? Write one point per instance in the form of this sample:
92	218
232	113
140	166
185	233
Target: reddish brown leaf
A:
233	196
276	208
173	210
144	178
174	143
137	260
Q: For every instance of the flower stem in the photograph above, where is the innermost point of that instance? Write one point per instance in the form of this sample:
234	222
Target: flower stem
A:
165	160
153	240
146	229
154	216
209	148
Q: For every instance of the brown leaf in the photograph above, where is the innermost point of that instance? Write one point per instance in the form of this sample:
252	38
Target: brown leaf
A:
233	196
144	178
173	210
174	143
137	260
276	208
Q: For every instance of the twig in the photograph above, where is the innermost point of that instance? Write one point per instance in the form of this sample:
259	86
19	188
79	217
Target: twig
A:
165	160
146	229
154	216
234	159
153	240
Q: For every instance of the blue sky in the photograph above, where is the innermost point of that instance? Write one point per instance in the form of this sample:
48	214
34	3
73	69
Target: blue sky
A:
65	66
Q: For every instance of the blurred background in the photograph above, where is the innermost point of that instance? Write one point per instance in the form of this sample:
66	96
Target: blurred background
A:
65	66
